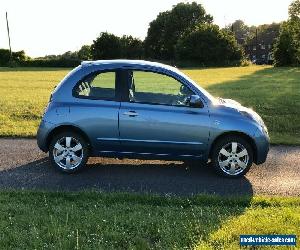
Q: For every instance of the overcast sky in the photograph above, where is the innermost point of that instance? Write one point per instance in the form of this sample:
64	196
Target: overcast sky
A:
43	27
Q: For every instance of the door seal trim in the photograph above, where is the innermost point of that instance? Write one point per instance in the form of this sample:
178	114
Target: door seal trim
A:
149	141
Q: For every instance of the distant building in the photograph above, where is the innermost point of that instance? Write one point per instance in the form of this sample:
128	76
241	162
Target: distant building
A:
259	49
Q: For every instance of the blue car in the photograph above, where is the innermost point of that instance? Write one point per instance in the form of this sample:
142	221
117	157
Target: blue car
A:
147	110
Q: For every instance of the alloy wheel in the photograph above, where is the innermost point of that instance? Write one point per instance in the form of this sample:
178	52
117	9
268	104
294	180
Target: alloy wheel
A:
233	158
68	153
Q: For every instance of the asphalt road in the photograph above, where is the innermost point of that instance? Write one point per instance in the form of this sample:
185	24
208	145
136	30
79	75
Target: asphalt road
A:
24	166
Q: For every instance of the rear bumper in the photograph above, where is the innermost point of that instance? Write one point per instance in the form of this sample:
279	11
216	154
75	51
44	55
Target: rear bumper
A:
42	135
262	142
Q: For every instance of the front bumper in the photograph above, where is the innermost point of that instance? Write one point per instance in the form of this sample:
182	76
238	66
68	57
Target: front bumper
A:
262	142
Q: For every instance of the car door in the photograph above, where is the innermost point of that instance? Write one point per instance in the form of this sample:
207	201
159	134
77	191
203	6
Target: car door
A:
96	109
156	118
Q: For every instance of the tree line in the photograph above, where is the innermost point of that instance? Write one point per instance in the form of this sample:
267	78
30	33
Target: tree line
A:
287	47
184	35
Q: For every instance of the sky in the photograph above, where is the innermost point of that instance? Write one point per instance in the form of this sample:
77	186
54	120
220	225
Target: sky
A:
44	27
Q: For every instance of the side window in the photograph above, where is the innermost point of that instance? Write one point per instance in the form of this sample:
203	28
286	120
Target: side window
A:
97	86
149	87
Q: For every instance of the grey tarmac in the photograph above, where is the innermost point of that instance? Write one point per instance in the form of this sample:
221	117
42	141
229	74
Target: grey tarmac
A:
24	166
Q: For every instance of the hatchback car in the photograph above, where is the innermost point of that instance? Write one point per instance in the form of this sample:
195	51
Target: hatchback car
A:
147	110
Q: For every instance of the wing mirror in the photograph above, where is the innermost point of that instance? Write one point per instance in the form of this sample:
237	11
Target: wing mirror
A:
195	101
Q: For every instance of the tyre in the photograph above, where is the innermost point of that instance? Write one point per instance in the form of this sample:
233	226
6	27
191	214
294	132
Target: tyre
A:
68	152
232	156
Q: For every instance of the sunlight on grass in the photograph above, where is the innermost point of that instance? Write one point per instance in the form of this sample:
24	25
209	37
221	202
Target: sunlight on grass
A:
24	95
206	77
257	219
95	220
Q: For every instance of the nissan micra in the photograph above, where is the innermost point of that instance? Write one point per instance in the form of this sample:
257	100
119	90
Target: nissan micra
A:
147	110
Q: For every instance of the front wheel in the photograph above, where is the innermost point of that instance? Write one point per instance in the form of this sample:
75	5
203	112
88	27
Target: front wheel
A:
68	152
232	156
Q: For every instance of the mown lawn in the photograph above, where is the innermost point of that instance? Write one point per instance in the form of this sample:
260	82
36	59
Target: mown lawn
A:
273	92
90	220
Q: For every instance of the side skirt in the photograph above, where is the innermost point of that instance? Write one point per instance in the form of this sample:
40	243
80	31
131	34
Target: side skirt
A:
150	156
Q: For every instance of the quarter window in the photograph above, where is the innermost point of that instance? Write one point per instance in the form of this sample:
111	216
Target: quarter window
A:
149	87
97	86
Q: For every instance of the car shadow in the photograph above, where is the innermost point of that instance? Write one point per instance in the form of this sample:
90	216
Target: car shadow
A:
174	178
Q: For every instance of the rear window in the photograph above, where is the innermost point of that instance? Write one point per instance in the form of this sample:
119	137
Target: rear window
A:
97	86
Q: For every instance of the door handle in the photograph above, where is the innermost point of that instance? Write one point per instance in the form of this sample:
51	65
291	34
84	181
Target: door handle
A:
131	113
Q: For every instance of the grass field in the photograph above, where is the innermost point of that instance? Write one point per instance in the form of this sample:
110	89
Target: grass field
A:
89	220
273	92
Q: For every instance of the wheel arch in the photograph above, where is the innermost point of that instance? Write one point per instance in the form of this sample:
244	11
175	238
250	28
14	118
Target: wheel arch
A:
67	128
235	133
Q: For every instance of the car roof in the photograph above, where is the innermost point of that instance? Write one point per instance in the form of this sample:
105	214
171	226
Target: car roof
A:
126	62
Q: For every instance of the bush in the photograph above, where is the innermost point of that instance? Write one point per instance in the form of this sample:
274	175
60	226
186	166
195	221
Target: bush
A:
84	53
207	45
4	57
51	63
109	46
131	48
14	60
106	46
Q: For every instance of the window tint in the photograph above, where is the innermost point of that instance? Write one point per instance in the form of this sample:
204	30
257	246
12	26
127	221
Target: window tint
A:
149	87
97	86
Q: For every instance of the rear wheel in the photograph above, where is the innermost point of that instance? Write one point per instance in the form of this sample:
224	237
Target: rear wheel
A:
232	156
68	152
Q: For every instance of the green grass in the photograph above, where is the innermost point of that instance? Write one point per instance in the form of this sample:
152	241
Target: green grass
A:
24	95
90	220
273	92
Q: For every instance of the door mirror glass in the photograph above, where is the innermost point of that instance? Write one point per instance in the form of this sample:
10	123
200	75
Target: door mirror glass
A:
195	101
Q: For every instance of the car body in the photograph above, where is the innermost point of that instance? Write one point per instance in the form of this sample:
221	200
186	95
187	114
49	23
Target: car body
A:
119	110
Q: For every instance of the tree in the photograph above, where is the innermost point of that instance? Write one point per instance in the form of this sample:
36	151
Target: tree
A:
169	26
109	46
132	48
16	57
84	53
287	47
240	30
19	56
294	10
106	46
69	55
4	57
208	45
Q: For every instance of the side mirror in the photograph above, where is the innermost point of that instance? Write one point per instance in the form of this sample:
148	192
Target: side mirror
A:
195	101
